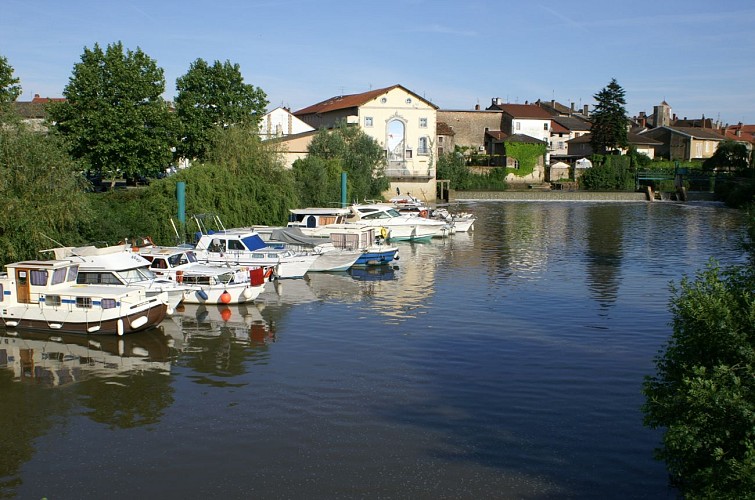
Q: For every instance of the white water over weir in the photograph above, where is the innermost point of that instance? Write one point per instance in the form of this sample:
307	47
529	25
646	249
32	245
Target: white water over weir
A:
556	195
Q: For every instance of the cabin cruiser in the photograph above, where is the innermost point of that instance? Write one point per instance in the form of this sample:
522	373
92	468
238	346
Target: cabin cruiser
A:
208	284
119	265
44	295
399	226
245	247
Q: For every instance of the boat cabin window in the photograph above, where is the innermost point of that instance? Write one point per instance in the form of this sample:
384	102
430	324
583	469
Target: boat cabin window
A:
258	255
73	272
217	245
93	278
38	277
59	276
159	263
178	259
84	302
235	245
137	274
376	215
107	303
190	257
52	300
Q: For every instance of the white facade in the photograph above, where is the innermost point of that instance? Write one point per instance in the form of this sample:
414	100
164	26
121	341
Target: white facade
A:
404	125
281	122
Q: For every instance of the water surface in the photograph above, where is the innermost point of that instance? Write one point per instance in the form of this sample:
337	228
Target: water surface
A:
503	363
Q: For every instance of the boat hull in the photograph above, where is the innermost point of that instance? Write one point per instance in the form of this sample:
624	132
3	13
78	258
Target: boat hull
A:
24	318
377	257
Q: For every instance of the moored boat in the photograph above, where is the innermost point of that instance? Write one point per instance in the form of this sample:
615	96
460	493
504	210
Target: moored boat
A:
207	284
44	296
245	247
400	226
119	265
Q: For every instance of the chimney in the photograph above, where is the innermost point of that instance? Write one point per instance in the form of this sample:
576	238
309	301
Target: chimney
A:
585	110
572	107
477	107
553	103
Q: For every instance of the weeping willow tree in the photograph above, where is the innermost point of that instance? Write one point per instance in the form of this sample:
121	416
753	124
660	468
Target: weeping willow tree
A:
43	193
243	183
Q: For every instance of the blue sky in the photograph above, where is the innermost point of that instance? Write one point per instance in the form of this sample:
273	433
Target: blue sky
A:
696	55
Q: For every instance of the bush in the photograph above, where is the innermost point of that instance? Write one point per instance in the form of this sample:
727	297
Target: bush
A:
611	173
703	393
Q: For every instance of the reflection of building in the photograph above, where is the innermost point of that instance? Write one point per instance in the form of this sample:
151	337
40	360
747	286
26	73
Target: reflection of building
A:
63	359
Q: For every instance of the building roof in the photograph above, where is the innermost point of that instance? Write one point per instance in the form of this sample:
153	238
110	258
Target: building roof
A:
443	128
741	133
631	138
697	132
557	128
353	101
499	136
523	111
572	123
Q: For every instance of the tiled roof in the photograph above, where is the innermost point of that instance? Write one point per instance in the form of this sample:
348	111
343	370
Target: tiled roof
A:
698	133
443	128
496	135
45	100
557	128
522	138
30	109
524	111
572	123
631	138
352	101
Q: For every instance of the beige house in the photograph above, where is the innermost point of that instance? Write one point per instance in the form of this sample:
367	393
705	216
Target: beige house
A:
402	122
685	143
580	147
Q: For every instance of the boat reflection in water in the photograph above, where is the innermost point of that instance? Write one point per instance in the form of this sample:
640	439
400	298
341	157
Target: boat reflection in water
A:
377	273
60	359
243	322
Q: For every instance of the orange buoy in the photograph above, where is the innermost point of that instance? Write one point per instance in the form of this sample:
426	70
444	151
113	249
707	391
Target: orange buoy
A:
225	314
225	297
180	276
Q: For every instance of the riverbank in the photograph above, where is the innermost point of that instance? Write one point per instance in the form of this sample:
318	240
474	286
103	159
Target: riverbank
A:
542	195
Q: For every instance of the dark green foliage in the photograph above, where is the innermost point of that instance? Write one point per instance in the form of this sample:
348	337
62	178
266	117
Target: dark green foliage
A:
9	87
318	181
358	154
703	393
43	194
115	118
609	124
244	185
610	173
737	192
526	154
453	167
211	97
729	156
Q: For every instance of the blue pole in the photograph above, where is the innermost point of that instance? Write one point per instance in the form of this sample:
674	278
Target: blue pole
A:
181	197
343	189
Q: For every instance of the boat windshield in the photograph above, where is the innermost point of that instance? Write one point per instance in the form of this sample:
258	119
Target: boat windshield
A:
135	275
377	215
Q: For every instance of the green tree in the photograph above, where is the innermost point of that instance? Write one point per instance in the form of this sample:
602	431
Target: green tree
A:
213	97
703	392
453	166
729	156
9	87
609	124
114	116
359	155
318	181
43	193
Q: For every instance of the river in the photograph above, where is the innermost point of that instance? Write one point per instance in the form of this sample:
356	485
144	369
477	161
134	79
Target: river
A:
503	363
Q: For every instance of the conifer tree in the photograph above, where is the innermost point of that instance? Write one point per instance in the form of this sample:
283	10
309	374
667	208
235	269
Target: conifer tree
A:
609	125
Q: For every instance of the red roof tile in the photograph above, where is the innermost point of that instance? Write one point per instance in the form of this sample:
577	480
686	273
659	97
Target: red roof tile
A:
351	101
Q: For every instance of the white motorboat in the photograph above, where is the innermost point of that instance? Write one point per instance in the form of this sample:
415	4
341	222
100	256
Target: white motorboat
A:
121	266
399	226
409	205
330	224
208	284
245	247
43	295
330	257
